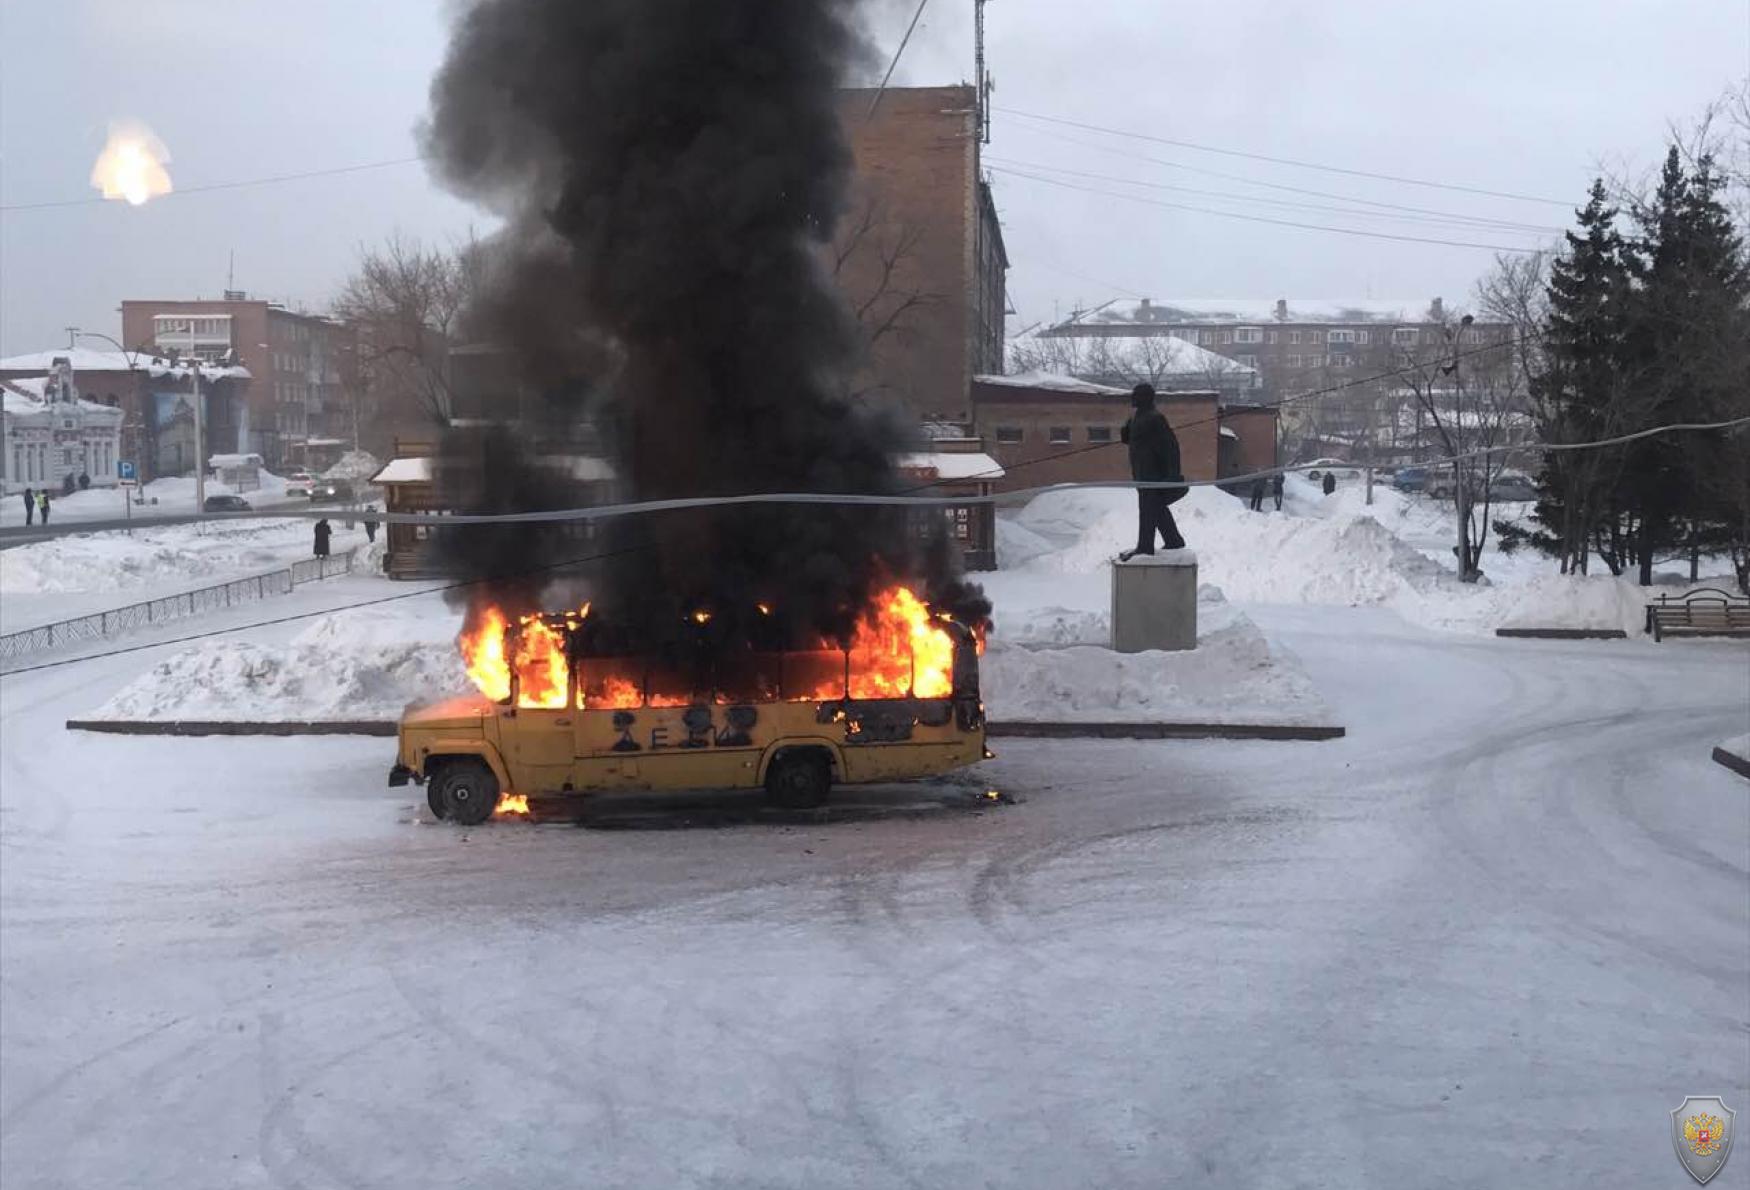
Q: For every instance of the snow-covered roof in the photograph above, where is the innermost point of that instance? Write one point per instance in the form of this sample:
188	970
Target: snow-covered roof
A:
27	394
1228	432
1261	311
583	468
404	471
1054	381
953	465
84	359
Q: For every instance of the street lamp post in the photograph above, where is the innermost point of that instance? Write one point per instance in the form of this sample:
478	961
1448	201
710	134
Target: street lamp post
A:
74	334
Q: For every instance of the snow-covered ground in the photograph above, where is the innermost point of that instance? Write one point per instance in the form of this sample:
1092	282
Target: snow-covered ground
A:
89	572
1488	939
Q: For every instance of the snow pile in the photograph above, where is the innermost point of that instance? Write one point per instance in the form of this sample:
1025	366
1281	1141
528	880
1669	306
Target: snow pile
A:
358	666
1255	557
1320	549
177	554
1738	745
355	465
1233	676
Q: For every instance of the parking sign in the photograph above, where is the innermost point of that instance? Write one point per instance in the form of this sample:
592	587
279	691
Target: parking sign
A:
124	471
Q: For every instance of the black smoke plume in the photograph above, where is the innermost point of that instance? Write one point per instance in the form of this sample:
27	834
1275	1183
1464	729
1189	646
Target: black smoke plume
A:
670	172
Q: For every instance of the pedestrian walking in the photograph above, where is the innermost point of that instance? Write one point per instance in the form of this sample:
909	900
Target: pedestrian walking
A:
323	531
29	507
1276	489
1154	457
1330	483
1258	494
370	525
42	505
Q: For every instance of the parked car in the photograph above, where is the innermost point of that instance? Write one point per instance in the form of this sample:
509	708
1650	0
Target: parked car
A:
1510	488
1317	469
300	483
1410	479
225	504
332	491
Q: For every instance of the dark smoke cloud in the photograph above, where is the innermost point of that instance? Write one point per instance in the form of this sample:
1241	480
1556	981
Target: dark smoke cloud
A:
670	171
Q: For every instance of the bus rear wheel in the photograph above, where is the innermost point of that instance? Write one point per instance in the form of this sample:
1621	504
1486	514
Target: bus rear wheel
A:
467	791
799	780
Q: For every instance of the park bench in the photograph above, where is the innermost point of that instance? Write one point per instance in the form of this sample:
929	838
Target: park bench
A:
1706	611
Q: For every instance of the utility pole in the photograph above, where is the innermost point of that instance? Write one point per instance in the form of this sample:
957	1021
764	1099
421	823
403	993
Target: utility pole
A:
200	436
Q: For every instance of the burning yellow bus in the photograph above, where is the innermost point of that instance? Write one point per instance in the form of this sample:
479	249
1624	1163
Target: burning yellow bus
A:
558	716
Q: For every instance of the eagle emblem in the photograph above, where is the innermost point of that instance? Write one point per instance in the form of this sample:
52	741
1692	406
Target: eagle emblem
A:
1701	1130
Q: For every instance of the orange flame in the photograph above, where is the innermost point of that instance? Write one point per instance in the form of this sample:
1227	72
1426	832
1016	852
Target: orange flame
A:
513	804
901	648
543	674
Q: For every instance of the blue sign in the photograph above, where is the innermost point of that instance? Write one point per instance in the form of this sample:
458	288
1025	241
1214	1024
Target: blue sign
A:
124	470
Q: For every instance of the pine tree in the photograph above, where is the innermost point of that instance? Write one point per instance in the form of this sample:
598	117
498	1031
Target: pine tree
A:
1579	394
1685	339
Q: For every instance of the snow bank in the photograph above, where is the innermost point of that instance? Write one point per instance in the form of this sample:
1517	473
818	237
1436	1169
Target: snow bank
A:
355	465
184	555
1320	549
1233	676
1738	745
357	666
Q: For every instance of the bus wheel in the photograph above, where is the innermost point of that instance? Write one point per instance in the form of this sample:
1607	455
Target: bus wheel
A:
799	780
468	792
434	796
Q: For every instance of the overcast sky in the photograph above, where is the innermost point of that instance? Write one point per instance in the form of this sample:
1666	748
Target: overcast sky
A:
1521	96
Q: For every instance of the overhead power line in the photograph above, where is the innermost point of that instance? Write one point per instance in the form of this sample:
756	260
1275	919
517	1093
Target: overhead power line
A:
1347	231
1355	212
212	186
1131	154
1289	161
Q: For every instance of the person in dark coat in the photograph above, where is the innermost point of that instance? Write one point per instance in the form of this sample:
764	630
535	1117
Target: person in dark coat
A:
1330	483
1154	456
1276	489
1258	494
42	505
323	531
29	507
370	526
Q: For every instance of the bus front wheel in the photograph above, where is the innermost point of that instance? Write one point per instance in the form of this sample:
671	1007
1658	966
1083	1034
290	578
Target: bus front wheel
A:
799	780
467	791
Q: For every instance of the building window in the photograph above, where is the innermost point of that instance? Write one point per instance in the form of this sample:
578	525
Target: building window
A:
959	522
1250	361
1227	336
1363	336
1404	336
1294	336
1099	433
1315	336
1248	334
1315	361
1059	435
1272	336
1294	361
1009	435
1340	337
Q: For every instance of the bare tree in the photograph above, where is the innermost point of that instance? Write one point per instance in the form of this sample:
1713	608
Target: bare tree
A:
1473	395
407	302
873	259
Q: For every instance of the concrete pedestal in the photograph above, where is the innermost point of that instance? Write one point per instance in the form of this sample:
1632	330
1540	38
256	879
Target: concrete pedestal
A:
1154	602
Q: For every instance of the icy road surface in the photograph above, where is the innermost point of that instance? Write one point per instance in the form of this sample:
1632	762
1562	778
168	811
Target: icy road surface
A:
1490	939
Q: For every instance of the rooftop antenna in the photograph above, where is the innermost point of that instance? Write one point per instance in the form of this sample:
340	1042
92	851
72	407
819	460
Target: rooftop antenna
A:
231	272
981	77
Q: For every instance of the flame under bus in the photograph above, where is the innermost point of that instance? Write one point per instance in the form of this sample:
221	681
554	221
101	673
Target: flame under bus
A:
893	706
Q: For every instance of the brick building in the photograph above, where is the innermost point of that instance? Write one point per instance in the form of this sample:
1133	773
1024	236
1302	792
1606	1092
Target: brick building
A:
1045	429
303	366
1297	347
920	250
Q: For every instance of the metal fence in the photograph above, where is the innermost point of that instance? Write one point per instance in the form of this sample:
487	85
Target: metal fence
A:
137	616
